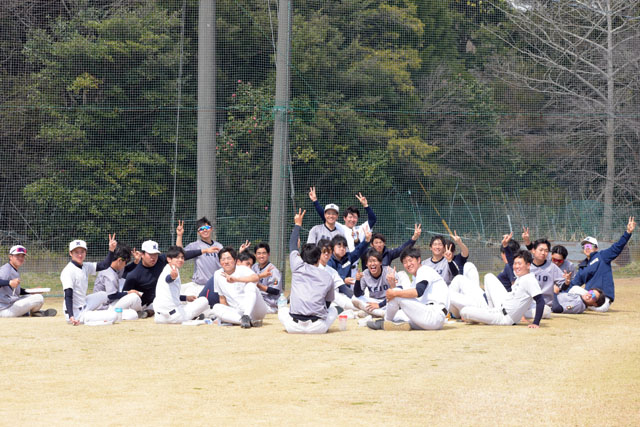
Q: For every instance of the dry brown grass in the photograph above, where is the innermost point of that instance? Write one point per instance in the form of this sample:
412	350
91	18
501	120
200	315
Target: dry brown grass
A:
575	370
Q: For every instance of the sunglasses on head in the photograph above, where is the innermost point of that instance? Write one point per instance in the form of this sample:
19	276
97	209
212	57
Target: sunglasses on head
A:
587	246
593	295
204	228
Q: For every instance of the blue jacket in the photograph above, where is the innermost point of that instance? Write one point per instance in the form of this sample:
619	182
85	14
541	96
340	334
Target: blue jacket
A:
596	271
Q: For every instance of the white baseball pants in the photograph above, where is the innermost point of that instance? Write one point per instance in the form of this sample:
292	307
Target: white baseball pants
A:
463	292
24	305
491	314
307	327
421	316
253	306
184	312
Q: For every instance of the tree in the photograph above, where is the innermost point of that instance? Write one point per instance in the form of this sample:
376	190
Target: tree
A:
582	56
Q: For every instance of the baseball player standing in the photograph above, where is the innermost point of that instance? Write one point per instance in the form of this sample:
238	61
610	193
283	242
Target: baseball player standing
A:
14	300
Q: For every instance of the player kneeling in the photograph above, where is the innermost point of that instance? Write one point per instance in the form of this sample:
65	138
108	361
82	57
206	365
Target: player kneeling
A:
167	303
312	289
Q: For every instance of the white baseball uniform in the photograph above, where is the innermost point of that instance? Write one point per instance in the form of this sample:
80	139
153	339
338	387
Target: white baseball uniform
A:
85	306
167	303
242	298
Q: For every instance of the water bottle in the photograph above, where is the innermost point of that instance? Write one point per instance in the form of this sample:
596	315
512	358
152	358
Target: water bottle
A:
119	314
282	300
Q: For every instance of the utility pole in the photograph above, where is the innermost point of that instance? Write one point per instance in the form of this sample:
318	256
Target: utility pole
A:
278	216
206	185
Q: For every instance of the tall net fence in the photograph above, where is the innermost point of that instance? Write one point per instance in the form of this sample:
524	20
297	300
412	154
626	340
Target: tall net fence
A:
482	117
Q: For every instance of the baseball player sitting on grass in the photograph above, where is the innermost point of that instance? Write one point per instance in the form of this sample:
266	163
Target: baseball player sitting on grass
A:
443	260
312	289
167	303
109	281
78	306
14	300
241	302
377	279
559	256
507	308
145	275
341	301
595	271
341	261
270	286
205	265
576	300
424	302
379	241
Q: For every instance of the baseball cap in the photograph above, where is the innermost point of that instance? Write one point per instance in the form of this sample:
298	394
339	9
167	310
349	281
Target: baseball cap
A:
332	206
589	239
17	249
150	247
77	244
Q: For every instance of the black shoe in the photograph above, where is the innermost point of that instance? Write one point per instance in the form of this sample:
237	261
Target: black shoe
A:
50	312
143	314
245	322
200	317
376	324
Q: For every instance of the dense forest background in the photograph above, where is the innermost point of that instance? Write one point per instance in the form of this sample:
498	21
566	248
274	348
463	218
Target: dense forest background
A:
490	115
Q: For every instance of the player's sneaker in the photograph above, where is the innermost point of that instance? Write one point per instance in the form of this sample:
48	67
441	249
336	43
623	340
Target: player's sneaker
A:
36	314
396	326
377	324
256	323
362	314
143	314
50	312
364	321
245	321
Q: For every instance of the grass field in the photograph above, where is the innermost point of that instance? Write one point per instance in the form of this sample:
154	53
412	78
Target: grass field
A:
574	370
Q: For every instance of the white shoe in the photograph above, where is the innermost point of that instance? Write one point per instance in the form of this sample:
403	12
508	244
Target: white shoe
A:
361	313
396	326
378	312
363	321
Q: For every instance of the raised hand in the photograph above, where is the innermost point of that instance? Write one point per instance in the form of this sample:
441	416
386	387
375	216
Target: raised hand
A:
417	231
567	277
362	200
359	275
297	220
244	246
174	272
448	254
457	239
506	238
312	194
525	235
137	255
112	242
367	235
180	228
631	225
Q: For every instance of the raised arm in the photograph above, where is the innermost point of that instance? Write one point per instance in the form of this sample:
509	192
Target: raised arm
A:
612	252
371	217
295	233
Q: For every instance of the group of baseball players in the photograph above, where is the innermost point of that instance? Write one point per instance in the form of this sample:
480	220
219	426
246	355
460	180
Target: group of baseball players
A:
343	269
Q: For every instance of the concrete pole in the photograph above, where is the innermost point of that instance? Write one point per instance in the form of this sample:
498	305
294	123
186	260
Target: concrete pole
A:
279	217
206	190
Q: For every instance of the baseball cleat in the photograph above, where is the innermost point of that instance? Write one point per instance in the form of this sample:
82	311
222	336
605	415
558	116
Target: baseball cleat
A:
245	321
50	312
396	326
37	314
376	324
256	323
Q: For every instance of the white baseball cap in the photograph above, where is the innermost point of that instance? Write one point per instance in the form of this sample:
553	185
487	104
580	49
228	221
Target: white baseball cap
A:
150	247
589	239
77	244
332	206
17	249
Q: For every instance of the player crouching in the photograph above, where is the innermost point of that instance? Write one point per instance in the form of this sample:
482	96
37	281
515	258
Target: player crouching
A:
167	303
312	289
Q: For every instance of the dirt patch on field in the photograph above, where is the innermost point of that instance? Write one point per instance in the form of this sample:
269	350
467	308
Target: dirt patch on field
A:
576	369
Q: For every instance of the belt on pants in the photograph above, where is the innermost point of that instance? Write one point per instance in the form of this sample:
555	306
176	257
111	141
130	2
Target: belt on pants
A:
313	319
444	310
504	311
171	313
